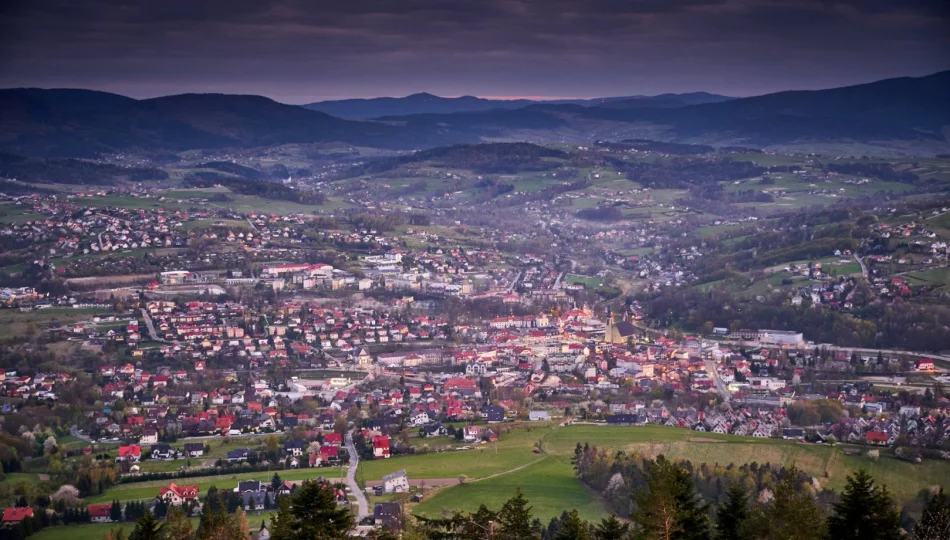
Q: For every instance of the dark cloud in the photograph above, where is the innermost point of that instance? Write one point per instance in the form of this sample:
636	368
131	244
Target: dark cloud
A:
299	50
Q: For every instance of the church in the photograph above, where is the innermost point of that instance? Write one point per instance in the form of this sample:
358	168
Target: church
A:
618	332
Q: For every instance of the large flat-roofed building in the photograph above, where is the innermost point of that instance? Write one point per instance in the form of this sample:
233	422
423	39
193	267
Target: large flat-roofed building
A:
781	337
772	337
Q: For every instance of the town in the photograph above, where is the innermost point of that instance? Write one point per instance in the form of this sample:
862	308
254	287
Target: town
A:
179	352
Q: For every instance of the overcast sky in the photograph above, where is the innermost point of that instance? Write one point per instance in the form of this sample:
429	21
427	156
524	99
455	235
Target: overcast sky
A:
297	51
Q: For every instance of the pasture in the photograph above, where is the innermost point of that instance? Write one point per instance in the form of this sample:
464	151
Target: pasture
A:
550	486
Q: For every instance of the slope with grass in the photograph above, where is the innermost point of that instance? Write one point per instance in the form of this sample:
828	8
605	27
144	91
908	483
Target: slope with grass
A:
516	448
150	489
549	486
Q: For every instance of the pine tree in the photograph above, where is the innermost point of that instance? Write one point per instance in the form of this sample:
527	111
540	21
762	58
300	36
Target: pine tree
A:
610	528
792	514
313	513
514	519
668	508
177	525
934	523
866	512
115	513
732	513
572	527
146	528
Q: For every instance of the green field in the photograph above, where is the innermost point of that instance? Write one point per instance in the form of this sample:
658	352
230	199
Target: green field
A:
587	282
15	323
148	490
13	479
93	531
550	486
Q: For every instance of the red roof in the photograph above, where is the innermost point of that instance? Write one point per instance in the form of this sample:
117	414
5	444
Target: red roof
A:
16	514
133	450
185	492
876	436
381	442
100	510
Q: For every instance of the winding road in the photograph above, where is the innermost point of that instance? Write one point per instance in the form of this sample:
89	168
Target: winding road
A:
864	269
361	502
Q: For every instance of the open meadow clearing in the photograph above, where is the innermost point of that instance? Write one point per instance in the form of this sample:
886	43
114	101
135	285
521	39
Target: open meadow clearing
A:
550	486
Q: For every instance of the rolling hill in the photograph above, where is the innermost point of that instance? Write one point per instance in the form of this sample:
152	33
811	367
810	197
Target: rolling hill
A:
912	112
424	103
84	123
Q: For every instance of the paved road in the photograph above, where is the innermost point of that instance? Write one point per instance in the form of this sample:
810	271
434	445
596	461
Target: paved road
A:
361	502
864	269
721	387
151	327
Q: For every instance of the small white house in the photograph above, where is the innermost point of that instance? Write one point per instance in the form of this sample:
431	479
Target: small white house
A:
397	482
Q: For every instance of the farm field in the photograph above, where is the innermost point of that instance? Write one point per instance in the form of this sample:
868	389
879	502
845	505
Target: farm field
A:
515	449
15	323
550	486
148	490
587	282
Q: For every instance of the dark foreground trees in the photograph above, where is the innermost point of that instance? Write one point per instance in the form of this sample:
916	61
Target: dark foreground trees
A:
666	506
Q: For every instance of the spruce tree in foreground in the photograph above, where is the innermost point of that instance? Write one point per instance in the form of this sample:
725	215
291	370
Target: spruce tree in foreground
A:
610	528
934	523
732	514
866	512
311	513
573	527
514	519
147	528
669	508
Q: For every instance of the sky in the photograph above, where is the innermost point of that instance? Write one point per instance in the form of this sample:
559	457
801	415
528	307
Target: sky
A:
299	51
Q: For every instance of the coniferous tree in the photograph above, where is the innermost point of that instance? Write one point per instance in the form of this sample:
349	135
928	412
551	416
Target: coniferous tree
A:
732	513
668	507
866	512
146	528
572	527
610	528
934	523
115	513
514	519
177	526
312	513
792	514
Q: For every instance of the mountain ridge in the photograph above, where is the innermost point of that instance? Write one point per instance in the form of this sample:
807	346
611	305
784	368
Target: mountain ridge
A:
85	123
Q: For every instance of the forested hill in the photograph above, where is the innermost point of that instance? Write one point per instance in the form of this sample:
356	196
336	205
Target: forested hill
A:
491	158
82	123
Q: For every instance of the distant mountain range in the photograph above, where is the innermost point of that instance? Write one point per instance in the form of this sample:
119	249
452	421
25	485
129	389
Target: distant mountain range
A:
424	103
82	123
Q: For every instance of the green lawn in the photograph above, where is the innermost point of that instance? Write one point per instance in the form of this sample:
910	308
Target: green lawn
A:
903	478
513	450
13	479
549	486
587	282
92	531
843	269
148	490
